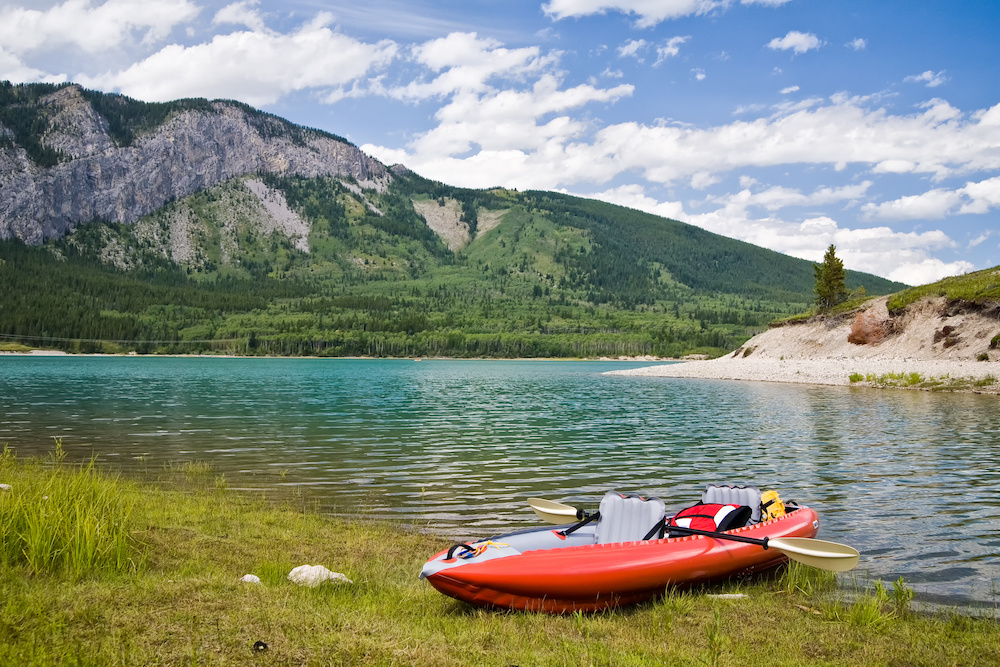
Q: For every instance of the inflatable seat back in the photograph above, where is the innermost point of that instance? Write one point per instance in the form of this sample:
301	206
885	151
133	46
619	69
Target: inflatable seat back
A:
726	494
628	518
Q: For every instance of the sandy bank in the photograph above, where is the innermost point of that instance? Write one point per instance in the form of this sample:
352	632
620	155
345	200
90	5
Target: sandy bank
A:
949	348
829	371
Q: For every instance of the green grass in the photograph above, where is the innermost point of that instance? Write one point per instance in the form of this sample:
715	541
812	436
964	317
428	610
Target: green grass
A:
976	287
177	599
68	524
918	381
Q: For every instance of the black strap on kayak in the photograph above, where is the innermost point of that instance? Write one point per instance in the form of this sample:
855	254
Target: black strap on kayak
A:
657	530
578	526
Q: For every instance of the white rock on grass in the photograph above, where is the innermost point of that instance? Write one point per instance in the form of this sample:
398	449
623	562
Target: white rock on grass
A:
6	487
250	578
314	575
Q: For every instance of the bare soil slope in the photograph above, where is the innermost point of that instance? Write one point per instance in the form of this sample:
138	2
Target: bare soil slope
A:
936	339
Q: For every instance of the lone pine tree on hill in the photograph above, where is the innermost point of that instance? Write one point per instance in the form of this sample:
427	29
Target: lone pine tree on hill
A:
831	285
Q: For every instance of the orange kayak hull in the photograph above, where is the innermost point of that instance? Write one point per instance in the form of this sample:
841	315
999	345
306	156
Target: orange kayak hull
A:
592	577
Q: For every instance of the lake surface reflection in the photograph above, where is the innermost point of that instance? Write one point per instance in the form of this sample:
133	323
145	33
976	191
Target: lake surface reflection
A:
911	479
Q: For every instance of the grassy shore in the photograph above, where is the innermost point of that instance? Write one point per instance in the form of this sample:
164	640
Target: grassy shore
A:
98	570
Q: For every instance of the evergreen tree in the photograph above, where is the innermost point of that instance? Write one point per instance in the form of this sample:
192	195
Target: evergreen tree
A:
831	285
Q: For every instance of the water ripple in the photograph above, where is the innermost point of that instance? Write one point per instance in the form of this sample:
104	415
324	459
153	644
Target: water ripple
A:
909	478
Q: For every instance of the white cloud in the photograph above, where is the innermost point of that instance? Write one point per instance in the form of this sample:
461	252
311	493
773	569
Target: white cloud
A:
698	73
928	78
858	44
766	3
789	89
13	69
798	42
840	132
92	28
522	134
670	48
632	48
902	256
635	48
241	13
523	138
931	205
634	196
981	197
778	197
975	198
468	63
926	270
254	67
650	12
982	238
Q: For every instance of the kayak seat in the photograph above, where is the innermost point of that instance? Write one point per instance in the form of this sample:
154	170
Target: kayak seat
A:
728	494
627	517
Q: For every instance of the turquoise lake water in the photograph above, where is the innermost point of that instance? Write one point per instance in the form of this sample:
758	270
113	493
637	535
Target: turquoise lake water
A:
911	479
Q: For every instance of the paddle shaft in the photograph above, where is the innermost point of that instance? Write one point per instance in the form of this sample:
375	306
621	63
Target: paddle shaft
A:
723	536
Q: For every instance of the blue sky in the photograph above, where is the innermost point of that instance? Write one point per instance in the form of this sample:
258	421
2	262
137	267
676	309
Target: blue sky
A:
790	124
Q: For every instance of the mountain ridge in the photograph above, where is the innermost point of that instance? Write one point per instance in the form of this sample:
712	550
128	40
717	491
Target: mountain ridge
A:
95	178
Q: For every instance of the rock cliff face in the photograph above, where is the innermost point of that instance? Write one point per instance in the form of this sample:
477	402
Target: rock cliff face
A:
190	151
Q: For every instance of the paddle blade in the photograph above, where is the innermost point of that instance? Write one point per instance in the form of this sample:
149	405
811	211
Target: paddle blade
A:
817	553
552	512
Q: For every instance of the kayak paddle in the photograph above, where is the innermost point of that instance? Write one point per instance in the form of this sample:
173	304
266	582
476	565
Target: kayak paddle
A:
553	512
820	554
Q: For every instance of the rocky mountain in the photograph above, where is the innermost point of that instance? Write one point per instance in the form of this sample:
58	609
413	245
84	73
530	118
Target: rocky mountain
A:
69	156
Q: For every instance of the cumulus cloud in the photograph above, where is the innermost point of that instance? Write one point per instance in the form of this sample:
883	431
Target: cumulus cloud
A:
13	69
789	89
858	44
649	12
839	132
92	28
902	256
509	106
254	67
634	196
798	42
778	197
928	78
466	62
241	13
975	198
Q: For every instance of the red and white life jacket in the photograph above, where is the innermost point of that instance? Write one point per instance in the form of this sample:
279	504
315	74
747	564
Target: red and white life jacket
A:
712	516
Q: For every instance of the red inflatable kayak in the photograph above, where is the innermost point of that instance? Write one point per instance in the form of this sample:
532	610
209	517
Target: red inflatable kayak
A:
544	569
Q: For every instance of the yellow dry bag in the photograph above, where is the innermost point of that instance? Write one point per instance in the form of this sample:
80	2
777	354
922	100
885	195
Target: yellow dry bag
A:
771	506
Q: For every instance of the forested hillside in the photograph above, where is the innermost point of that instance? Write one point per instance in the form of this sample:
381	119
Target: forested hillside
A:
556	276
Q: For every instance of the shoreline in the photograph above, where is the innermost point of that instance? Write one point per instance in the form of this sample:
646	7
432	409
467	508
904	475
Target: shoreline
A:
61	353
949	374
